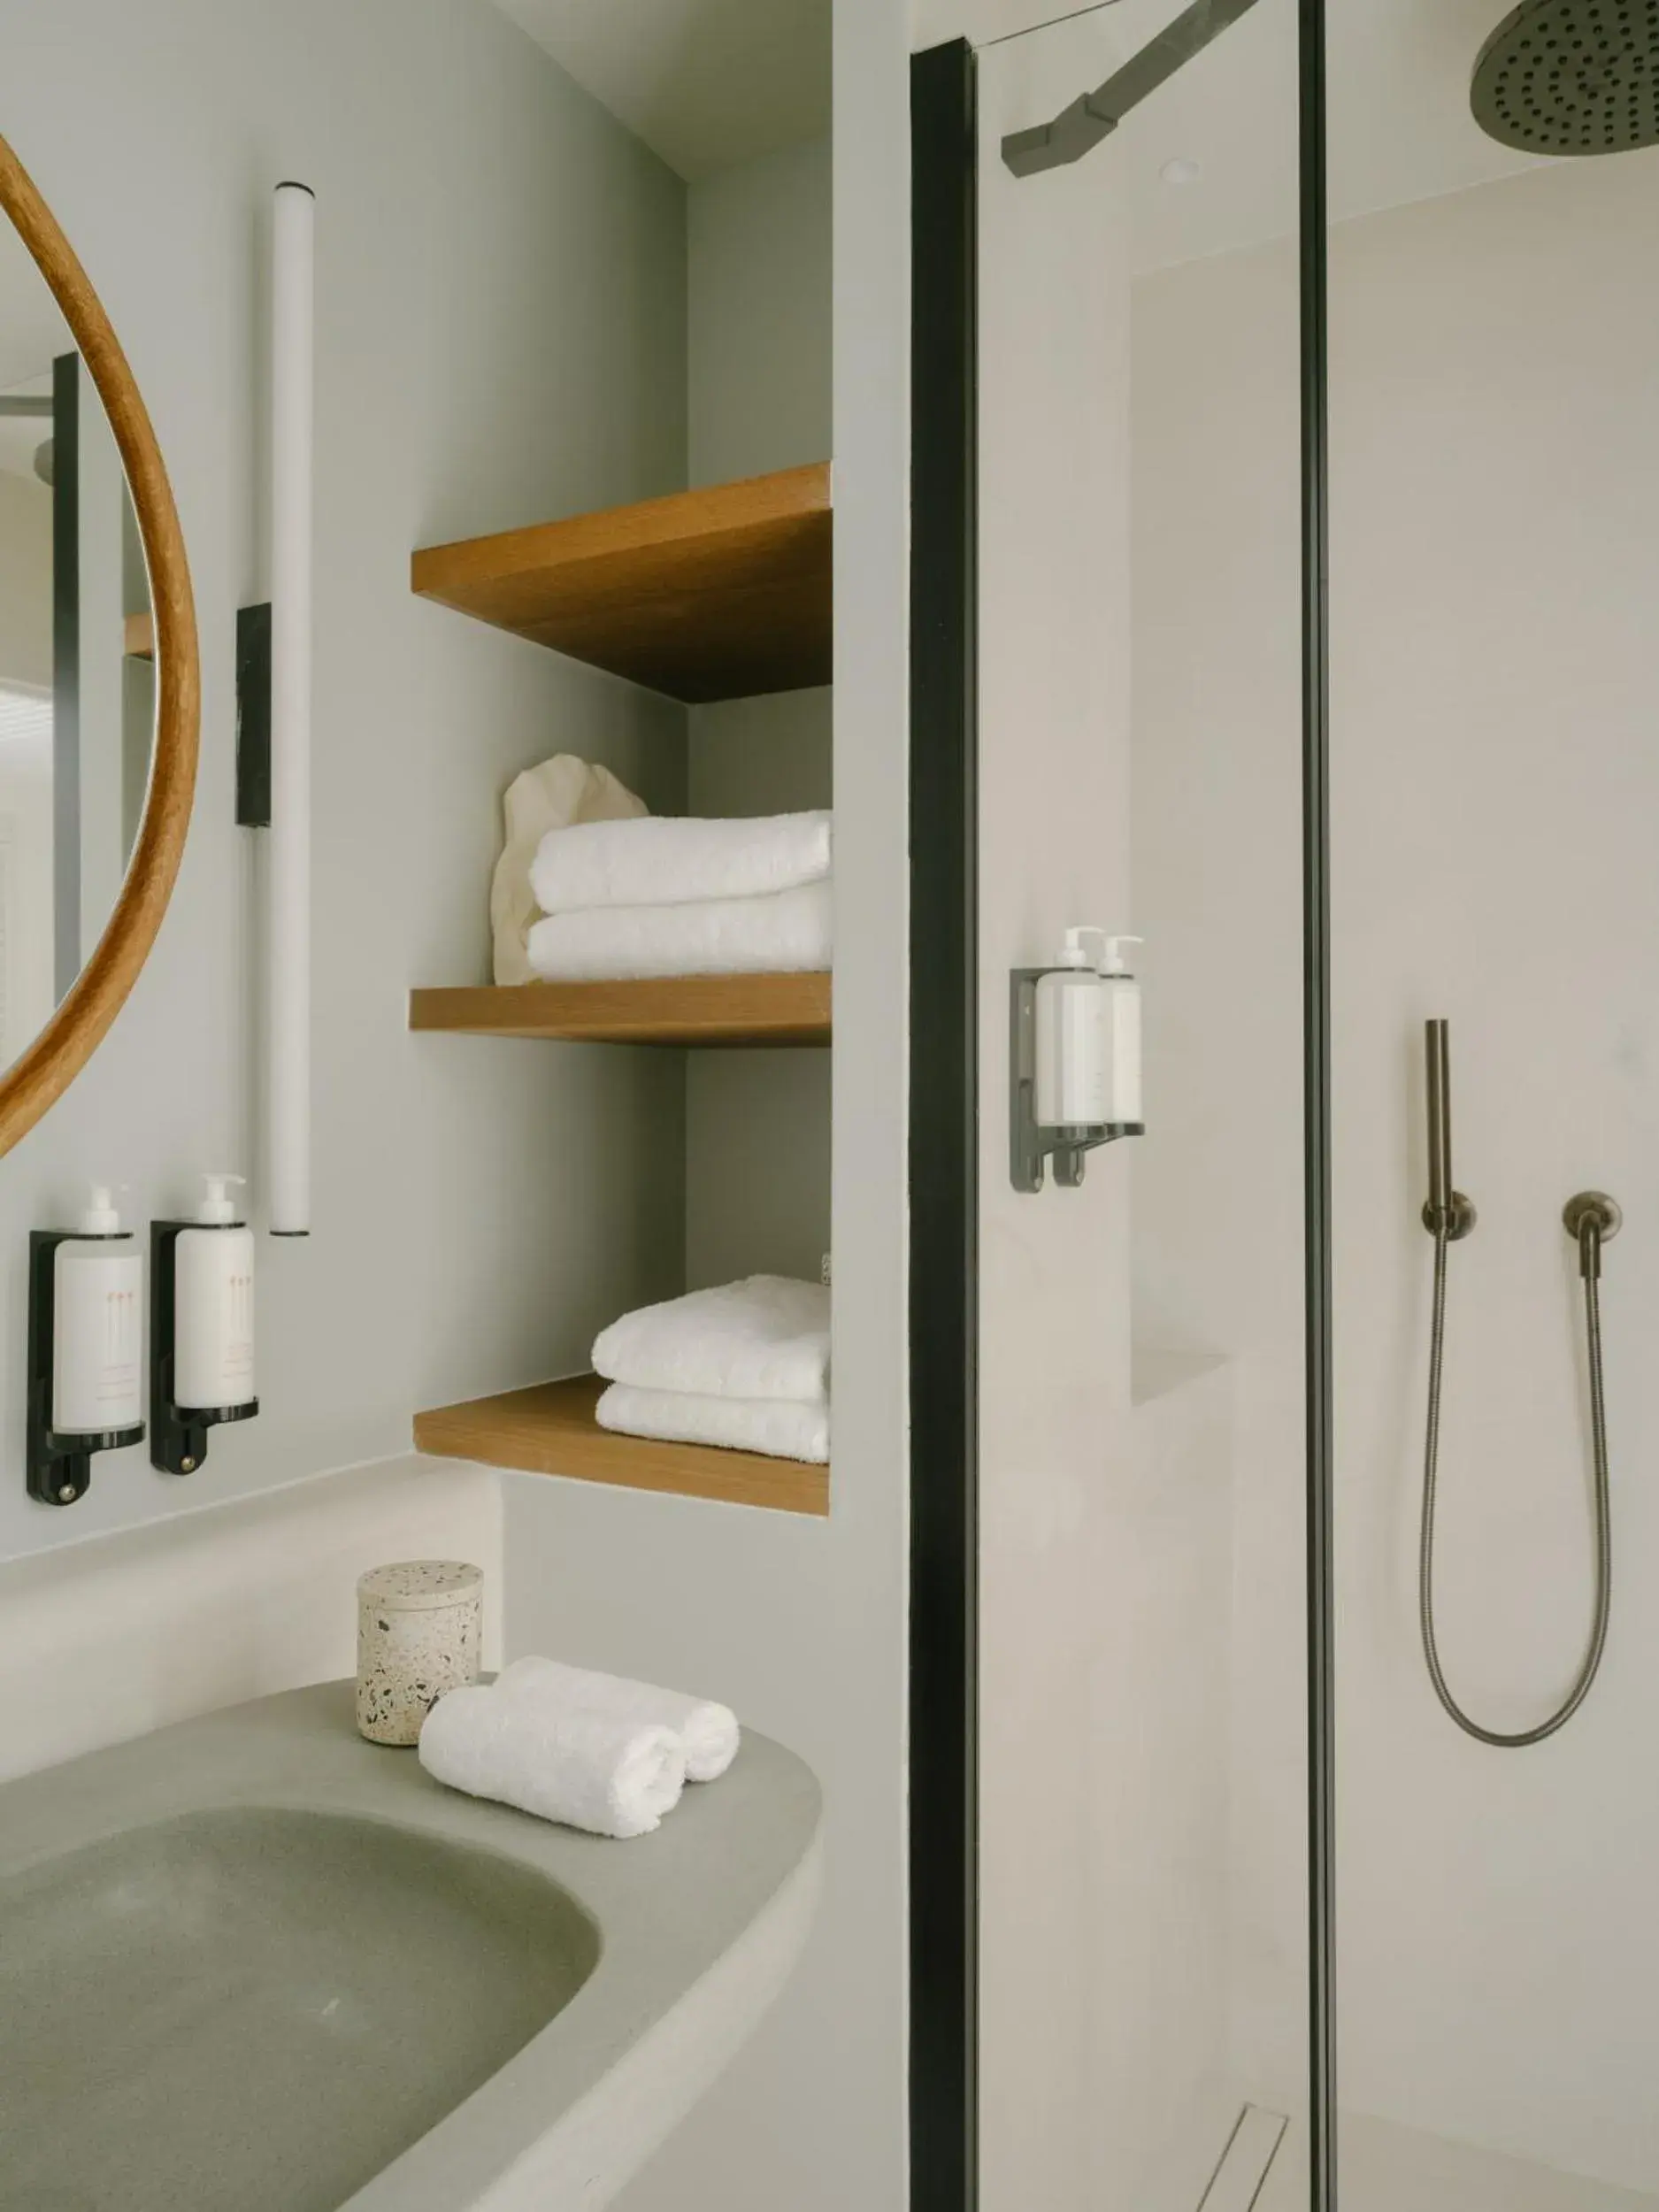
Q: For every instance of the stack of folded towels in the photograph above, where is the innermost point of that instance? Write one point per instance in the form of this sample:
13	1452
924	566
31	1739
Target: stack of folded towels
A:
593	1751
746	1366
663	896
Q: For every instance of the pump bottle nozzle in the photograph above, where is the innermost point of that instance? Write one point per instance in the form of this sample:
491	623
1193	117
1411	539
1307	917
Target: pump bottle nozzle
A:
99	1217
218	1205
1075	951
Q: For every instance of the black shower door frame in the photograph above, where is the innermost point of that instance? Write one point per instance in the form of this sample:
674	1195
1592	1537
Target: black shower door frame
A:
944	1114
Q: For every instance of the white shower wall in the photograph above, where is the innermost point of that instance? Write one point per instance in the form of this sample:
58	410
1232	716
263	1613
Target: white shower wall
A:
1495	786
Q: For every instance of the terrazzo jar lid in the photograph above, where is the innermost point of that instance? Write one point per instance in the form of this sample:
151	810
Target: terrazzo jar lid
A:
419	1586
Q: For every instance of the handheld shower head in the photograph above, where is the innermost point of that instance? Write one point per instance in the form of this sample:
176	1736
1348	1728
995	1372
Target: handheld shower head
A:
1446	1211
1571	77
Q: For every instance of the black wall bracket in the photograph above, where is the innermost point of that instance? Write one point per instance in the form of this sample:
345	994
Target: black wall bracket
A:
178	1434
59	1465
253	716
1030	1143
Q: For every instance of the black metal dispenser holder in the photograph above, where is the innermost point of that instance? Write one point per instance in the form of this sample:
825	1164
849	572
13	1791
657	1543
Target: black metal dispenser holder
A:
1030	1142
59	1466
178	1434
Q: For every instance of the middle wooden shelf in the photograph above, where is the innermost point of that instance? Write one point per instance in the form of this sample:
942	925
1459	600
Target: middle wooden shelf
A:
680	1010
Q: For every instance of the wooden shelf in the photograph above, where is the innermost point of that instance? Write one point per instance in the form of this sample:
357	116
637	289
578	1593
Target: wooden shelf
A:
717	594
549	1429
680	1010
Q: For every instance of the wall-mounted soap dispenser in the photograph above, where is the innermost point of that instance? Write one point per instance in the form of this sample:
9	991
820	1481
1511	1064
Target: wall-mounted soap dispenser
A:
86	1348
1074	1058
200	1328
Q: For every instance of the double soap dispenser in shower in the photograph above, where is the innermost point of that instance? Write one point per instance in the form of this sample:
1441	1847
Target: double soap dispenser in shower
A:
1075	1058
200	1328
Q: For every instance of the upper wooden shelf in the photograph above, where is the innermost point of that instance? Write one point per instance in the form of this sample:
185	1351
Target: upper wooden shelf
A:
681	1010
717	594
549	1429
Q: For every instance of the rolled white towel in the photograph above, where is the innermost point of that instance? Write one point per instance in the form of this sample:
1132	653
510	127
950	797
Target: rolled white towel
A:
783	1428
776	935
707	1732
578	1765
766	1337
670	860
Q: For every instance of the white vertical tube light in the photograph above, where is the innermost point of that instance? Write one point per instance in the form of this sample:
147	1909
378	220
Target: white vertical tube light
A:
288	859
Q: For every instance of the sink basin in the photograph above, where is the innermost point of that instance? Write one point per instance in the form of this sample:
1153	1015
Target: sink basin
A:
236	1969
255	1960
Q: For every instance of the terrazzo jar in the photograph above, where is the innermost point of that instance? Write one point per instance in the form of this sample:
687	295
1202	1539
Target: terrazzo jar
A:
418	1635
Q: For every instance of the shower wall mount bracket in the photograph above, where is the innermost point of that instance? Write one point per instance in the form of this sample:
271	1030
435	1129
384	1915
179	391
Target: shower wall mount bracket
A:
1460	1216
1030	1143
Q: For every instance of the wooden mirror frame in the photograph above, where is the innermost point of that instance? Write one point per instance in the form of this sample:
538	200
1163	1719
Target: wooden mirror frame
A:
41	1076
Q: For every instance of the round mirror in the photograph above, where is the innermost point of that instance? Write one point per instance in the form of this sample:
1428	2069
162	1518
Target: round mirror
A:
98	680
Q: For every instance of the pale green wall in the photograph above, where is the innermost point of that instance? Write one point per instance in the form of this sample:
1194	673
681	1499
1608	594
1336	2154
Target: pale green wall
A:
500	336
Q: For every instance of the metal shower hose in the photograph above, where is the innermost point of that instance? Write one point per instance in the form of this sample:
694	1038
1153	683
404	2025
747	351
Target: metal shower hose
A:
1589	1267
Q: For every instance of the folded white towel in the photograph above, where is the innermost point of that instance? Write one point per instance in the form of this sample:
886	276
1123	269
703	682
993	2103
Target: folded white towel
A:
788	930
559	791
766	1337
783	1428
709	1731
590	1768
673	860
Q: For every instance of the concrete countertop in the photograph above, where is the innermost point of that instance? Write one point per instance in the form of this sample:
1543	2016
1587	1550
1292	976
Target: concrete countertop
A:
698	1925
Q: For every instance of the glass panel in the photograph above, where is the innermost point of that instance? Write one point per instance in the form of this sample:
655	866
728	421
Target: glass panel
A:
1495	360
1143	1676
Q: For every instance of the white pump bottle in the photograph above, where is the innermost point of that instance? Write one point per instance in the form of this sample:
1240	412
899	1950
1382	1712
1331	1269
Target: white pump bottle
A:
212	1358
98	1325
1088	1037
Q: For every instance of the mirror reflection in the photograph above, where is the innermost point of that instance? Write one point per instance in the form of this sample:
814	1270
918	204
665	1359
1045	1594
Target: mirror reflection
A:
77	666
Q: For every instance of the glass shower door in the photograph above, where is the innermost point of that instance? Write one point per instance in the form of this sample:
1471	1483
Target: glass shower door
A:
1144	1897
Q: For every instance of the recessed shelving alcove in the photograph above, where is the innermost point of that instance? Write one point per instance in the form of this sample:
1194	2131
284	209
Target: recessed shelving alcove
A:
719	593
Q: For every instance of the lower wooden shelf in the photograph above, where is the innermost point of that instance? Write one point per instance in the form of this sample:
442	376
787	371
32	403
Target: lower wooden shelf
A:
550	1429
676	1010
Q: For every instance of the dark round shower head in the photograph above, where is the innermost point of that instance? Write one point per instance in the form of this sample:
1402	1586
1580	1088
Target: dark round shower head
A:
1571	77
